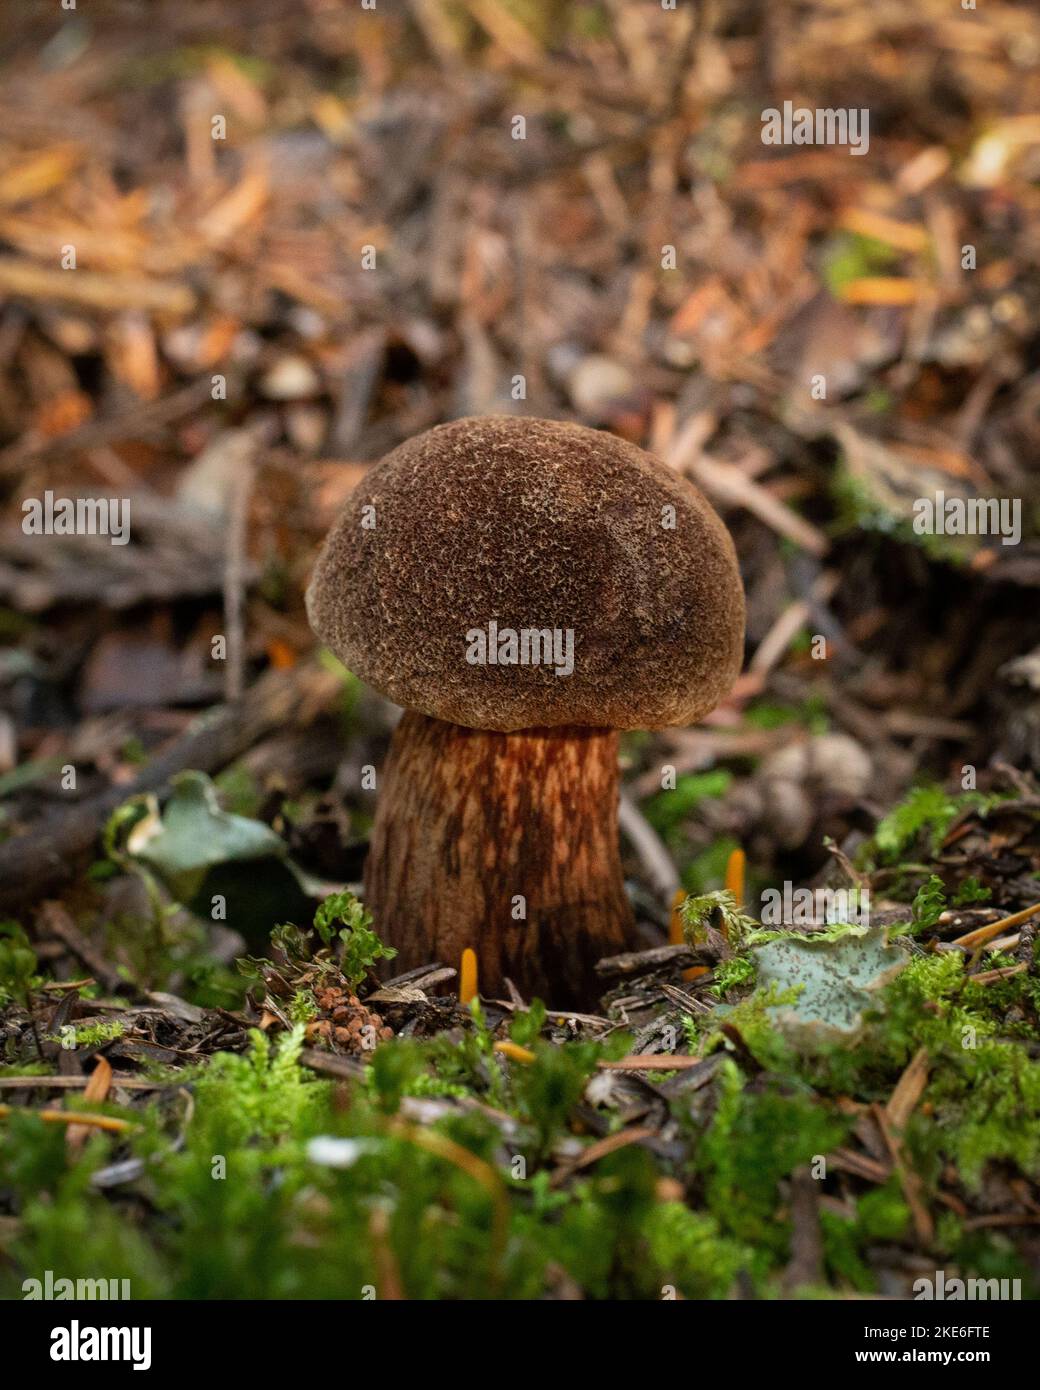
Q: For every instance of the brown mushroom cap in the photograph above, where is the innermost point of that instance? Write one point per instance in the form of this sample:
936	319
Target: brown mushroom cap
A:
532	524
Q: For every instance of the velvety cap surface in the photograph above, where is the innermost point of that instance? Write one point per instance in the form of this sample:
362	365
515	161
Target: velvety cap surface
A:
507	573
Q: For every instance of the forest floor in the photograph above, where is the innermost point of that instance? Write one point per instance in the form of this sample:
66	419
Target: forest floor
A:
822	1105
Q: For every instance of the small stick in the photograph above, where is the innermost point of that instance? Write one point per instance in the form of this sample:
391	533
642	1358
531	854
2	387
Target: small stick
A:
652	1061
676	935
981	935
97	1089
988	976
648	845
235	558
642	962
53	920
607	1145
72	1117
77	1083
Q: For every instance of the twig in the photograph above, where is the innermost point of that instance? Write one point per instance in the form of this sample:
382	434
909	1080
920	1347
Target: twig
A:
911	1184
987	977
908	1090
53	920
651	1061
94	289
235	576
78	1083
648	845
805	1265
642	962
331	1064
981	935
608	1145
96	1090
141	422
71	1117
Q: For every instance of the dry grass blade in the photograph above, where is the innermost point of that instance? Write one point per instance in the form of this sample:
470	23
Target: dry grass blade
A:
600	1149
97	1089
69	1117
440	1145
908	1091
913	1188
651	1061
972	939
93	289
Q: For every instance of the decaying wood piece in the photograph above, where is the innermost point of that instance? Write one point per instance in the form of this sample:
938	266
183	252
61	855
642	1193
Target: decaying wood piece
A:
506	843
656	958
35	863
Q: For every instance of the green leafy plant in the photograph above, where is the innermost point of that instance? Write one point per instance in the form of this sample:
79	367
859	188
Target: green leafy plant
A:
361	947
971	891
929	904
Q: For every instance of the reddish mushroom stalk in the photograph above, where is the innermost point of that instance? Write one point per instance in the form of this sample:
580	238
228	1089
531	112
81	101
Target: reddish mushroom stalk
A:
514	835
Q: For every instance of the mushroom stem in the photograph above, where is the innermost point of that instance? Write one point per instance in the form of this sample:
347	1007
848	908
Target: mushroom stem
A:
506	843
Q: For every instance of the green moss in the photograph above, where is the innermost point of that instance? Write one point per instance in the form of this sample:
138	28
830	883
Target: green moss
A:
859	508
878	1216
18	964
971	891
271	1183
249	1209
690	1251
303	1007
718	908
758	1136
924	811
732	974
929	904
92	1035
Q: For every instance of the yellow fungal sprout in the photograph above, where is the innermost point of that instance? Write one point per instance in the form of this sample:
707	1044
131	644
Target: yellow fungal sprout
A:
735	867
468	977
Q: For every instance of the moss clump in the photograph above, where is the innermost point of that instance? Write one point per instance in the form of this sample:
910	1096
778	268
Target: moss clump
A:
878	1216
90	1035
921	820
280	1192
758	1136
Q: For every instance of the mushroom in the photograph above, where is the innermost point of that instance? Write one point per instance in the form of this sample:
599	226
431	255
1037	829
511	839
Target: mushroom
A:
525	589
